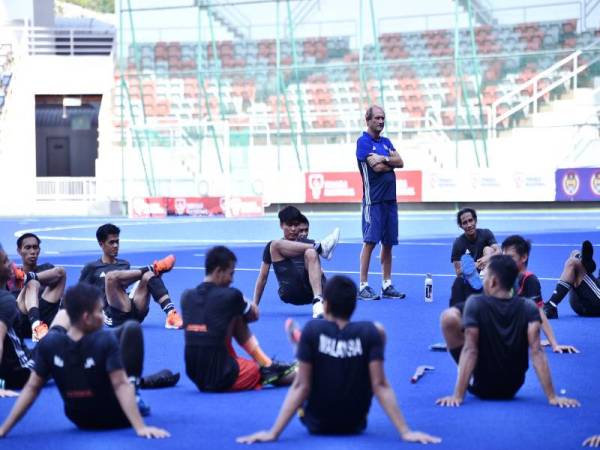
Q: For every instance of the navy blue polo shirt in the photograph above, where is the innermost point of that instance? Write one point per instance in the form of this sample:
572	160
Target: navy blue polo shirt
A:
377	186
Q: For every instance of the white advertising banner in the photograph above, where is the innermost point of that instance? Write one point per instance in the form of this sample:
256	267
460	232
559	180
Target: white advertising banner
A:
488	185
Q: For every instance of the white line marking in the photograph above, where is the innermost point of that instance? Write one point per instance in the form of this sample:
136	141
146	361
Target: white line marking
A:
352	272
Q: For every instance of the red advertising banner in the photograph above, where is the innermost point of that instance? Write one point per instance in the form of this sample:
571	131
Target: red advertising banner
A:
143	207
194	206
346	187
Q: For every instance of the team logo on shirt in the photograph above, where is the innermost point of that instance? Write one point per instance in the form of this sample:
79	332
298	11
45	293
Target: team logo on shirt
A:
374	148
102	275
595	183
570	183
89	363
58	362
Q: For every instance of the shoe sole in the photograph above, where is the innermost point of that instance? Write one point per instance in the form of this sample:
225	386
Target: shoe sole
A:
173	327
276	378
400	297
369	298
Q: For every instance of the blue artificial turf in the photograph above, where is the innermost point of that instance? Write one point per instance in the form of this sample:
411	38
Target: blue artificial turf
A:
212	421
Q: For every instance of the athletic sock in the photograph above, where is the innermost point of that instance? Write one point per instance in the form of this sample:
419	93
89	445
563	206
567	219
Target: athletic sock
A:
34	315
363	284
253	349
560	291
145	269
317	247
160	294
385	284
318	298
167	305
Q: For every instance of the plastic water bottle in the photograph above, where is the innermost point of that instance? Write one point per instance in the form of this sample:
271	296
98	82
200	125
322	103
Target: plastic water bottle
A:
428	288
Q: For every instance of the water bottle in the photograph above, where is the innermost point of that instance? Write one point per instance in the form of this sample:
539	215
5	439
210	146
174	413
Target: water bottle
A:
428	288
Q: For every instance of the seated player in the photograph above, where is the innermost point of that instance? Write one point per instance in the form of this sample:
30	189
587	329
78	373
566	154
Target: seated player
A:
38	288
577	279
480	244
341	367
528	286
296	264
491	342
15	362
112	275
213	315
88	368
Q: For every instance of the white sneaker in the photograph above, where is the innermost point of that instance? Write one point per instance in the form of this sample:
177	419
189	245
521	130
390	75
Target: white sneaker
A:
318	310
328	243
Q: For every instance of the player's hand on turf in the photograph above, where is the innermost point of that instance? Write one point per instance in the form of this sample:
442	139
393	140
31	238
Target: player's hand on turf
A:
152	433
261	436
592	441
450	400
565	349
564	402
420	437
8	393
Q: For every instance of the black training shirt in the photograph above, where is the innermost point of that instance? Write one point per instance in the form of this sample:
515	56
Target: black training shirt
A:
503	343
95	272
484	238
207	312
340	396
15	354
81	371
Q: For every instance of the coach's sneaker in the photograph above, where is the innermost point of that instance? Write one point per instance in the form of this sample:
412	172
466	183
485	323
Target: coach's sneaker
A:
292	329
392	292
317	310
163	265
161	379
328	243
367	293
587	257
38	330
551	311
276	371
173	321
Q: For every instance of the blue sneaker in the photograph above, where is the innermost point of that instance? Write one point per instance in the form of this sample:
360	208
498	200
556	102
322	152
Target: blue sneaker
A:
367	293
470	273
391	292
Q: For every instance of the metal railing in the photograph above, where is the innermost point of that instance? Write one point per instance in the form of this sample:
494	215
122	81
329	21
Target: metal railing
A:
66	188
69	41
563	72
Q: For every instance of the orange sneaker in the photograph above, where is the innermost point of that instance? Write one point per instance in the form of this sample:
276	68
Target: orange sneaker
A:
163	265
38	330
19	275
173	321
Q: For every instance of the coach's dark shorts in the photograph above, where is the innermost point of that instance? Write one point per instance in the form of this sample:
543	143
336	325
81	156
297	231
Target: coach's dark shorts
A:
294	285
380	223
114	317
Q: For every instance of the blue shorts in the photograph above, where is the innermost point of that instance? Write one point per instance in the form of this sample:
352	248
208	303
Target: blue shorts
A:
380	223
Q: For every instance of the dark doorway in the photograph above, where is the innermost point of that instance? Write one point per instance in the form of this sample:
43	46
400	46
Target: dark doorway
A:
58	157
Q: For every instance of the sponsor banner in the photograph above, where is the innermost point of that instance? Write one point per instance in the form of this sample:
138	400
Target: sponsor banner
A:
243	206
196	206
487	185
581	184
140	207
346	187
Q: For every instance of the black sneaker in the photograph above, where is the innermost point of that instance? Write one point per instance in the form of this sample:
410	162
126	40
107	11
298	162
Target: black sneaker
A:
587	257
551	311
276	371
391	292
367	293
162	379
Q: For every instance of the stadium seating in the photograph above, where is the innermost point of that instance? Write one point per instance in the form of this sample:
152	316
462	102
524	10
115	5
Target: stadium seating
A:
418	75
